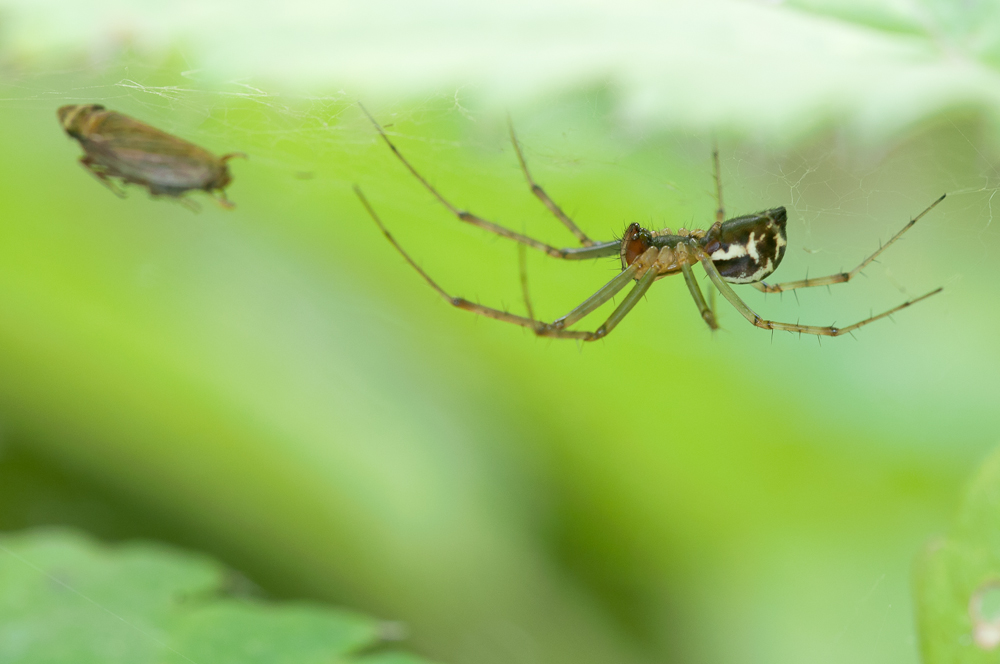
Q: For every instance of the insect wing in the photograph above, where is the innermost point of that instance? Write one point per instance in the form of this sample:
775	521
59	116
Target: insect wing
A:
143	154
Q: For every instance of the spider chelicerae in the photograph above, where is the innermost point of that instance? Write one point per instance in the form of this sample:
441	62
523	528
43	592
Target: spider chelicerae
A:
741	250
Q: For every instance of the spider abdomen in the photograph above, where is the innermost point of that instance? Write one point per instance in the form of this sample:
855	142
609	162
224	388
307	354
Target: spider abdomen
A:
747	249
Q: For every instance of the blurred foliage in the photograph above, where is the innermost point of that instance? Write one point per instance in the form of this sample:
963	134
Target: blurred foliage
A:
277	387
66	599
780	70
958	579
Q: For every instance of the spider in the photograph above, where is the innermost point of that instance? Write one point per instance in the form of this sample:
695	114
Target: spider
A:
741	250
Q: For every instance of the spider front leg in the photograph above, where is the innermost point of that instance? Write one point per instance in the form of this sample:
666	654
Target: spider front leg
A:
707	311
750	315
544	197
557	328
522	266
842	277
593	250
720	209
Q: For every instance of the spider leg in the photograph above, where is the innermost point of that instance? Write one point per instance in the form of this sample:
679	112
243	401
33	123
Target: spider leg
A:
102	176
711	303
720	210
557	329
523	270
707	312
604	293
544	197
597	250
632	299
841	277
540	328
828	331
454	301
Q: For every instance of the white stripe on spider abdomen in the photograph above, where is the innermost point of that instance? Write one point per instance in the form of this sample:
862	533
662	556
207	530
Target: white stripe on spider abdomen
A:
747	249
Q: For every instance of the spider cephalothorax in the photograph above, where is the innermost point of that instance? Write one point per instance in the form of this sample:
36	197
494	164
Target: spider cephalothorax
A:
672	247
741	250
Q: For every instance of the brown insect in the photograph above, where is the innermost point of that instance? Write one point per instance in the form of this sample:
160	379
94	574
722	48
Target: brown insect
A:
118	146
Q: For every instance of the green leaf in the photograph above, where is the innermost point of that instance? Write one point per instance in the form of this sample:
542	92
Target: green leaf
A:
65	598
958	595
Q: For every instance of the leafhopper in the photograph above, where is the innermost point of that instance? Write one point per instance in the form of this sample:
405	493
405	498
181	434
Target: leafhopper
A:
118	146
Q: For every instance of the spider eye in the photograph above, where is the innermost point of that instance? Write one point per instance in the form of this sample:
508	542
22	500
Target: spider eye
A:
749	248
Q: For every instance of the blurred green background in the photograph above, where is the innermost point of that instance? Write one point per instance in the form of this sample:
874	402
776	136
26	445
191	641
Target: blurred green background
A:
274	386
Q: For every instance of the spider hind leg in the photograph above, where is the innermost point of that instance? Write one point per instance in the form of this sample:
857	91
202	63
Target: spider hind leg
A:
819	330
843	277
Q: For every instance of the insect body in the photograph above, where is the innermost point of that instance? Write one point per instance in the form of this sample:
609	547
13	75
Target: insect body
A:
118	146
742	250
